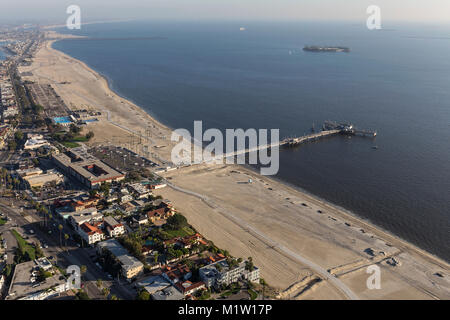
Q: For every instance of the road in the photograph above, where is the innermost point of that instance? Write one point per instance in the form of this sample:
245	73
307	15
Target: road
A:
271	243
72	256
11	244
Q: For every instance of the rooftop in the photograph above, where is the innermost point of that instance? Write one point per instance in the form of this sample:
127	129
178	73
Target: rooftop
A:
153	284
169	293
127	260
111	221
88	166
21	285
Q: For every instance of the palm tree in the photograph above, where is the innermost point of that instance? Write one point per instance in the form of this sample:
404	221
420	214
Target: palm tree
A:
66	237
60	227
106	292
114	297
83	270
263	282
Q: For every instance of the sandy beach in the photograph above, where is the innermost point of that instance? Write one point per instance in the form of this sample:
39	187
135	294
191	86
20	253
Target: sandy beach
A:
306	248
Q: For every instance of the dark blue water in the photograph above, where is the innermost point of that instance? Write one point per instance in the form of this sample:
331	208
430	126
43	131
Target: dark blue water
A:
396	81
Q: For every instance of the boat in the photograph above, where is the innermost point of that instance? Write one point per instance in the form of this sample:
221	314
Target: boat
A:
325	49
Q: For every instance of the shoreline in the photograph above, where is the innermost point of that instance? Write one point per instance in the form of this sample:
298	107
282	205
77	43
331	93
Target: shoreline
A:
362	220
285	186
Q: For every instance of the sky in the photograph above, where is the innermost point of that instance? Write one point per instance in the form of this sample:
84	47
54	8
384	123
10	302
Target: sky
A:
54	11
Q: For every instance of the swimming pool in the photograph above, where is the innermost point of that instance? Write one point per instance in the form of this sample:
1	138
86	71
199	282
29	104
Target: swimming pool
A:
62	120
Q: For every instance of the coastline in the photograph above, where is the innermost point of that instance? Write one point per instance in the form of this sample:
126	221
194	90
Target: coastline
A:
121	121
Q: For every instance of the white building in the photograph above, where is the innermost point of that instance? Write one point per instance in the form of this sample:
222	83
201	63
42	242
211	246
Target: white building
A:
90	233
112	227
220	273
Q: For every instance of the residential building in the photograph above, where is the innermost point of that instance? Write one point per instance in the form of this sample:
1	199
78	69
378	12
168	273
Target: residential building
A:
189	288
178	273
140	191
91	233
140	218
131	267
90	215
220	273
112	227
169	293
153	284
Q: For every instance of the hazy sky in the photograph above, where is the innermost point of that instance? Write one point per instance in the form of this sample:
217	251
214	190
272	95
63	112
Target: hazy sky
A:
392	10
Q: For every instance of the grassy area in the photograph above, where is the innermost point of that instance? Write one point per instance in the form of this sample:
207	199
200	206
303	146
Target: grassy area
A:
226	294
2	221
183	232
24	246
70	144
80	139
253	294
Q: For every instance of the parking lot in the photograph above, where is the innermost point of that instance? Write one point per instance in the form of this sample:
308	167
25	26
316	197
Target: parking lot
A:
121	158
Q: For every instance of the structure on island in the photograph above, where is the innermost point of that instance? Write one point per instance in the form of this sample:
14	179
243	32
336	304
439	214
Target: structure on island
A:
325	49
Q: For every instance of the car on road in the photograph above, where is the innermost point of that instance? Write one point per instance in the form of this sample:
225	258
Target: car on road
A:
31	231
45	246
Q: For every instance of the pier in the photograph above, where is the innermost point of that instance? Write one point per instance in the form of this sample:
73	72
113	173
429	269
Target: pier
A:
329	128
309	137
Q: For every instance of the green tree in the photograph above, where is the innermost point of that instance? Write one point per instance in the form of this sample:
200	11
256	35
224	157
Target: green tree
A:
18	135
12	145
177	221
83	269
74	128
89	135
106	292
66	237
143	295
82	295
60	228
99	283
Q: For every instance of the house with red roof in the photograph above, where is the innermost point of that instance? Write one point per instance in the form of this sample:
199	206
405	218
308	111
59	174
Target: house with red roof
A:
91	233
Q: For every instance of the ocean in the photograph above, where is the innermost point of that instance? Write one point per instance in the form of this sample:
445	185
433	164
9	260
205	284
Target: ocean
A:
394	80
